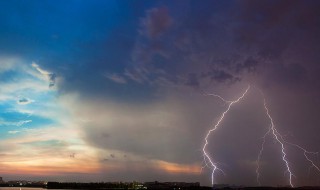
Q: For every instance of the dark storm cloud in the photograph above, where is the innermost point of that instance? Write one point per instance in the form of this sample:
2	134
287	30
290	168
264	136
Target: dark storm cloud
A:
279	32
249	65
194	43
219	76
226	45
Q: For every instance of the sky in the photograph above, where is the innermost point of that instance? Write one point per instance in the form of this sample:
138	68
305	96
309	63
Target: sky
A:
117	90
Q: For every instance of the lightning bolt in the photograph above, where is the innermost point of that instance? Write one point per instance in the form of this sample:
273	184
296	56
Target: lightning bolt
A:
279	138
260	154
272	130
218	96
207	159
305	153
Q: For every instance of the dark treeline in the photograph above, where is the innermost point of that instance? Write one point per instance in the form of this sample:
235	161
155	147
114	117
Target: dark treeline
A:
57	185
120	185
158	186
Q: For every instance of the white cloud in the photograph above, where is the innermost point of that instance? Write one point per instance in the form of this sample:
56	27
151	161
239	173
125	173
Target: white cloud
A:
50	77
22	84
14	123
43	72
13	132
27	85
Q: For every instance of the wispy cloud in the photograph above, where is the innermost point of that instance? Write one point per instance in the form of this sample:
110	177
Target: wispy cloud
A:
13	132
116	78
11	123
51	148
50	77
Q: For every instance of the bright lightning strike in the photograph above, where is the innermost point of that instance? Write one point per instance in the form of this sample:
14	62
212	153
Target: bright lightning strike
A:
305	153
215	95
278	137
207	159
272	130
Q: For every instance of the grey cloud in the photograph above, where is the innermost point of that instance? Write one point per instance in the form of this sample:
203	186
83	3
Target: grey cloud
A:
220	76
163	131
249	65
185	49
52	79
24	101
143	140
278	33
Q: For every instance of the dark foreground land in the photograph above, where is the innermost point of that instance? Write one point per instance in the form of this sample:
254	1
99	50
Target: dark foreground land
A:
137	185
275	188
162	185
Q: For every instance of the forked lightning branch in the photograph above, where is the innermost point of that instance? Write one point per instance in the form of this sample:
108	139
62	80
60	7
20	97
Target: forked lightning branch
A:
272	130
